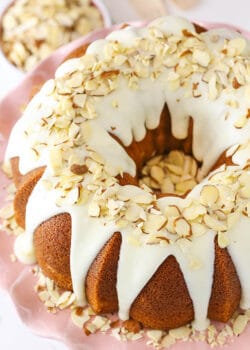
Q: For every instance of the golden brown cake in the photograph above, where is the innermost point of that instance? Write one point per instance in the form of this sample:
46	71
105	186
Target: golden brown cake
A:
77	156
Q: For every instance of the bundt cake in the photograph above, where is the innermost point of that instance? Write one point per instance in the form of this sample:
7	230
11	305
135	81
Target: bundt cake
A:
77	154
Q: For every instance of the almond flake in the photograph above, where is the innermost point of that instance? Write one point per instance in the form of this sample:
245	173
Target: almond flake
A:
167	186
172	211
155	335
167	341
75	80
184	186
55	160
154	161
214	224
201	57
192	212
93	209
78	169
177	170
130	192
182	227
7	212
240	324
154	223
176	158
157	173
133	212
245	191
209	195
240	122
238	45
79	100
90	327
212	88
223	240
180	333
99	321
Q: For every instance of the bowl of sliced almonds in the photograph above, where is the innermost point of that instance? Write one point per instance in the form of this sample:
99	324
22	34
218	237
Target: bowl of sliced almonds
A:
31	30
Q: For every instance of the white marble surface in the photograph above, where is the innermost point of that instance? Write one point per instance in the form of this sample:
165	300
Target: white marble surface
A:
13	334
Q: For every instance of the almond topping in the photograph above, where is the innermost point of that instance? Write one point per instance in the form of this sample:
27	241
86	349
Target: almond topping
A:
172	211
192	212
209	195
182	227
223	240
94	209
78	169
240	324
214	224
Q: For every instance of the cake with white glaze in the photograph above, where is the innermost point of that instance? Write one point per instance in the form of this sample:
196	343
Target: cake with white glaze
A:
77	154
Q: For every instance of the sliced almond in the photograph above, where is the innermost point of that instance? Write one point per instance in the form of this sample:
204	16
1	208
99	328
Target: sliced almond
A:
93	209
155	335
167	186
130	192
176	158
99	321
245	191
209	195
79	320
157	173
240	122
7	212
55	160
154	223
168	341
185	186
194	211
177	170
214	224
172	211
79	100
238	45
240	324
180	333
223	240
201	57
182	227
212	88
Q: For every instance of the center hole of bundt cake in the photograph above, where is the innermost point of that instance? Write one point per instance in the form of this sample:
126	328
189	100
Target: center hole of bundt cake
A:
174	173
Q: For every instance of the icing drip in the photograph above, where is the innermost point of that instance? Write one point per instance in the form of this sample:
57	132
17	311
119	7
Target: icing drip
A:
146	102
138	264
89	235
137	109
239	251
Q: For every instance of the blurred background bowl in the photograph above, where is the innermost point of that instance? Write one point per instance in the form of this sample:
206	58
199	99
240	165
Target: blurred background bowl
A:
10	74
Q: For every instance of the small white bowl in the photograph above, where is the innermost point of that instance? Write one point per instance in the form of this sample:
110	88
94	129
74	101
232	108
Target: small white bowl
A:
11	75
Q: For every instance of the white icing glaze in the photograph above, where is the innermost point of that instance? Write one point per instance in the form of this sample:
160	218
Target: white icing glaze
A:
146	102
133	260
89	235
239	251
